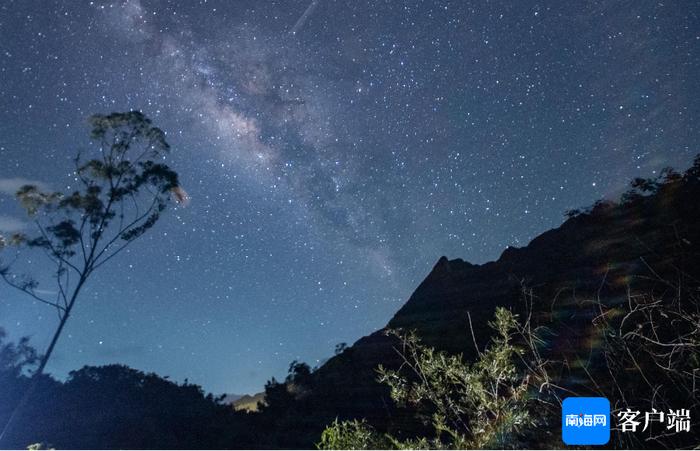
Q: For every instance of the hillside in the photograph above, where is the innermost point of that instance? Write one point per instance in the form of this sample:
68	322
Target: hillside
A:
646	245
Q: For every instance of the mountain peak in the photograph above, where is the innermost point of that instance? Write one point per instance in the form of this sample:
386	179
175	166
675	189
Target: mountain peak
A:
444	264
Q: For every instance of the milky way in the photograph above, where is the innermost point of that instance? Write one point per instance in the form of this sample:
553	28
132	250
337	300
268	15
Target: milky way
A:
333	151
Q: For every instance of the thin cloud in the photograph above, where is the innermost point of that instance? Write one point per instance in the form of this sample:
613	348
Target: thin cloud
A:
9	224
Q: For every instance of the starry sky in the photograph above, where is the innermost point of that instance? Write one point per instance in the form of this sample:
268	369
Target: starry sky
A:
333	151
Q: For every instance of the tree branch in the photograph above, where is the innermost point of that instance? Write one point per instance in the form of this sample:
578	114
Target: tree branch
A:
29	292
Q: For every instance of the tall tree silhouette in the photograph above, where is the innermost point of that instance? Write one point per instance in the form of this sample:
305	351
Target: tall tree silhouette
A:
121	194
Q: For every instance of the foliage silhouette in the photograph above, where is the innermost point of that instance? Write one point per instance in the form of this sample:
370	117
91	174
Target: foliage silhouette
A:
121	194
115	406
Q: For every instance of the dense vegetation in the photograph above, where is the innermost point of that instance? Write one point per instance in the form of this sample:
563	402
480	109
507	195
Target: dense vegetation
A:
496	402
113	406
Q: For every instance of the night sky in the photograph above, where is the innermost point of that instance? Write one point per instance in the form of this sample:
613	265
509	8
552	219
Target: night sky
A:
333	151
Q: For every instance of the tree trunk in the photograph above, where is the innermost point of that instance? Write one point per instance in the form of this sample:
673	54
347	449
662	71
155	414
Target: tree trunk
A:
42	364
